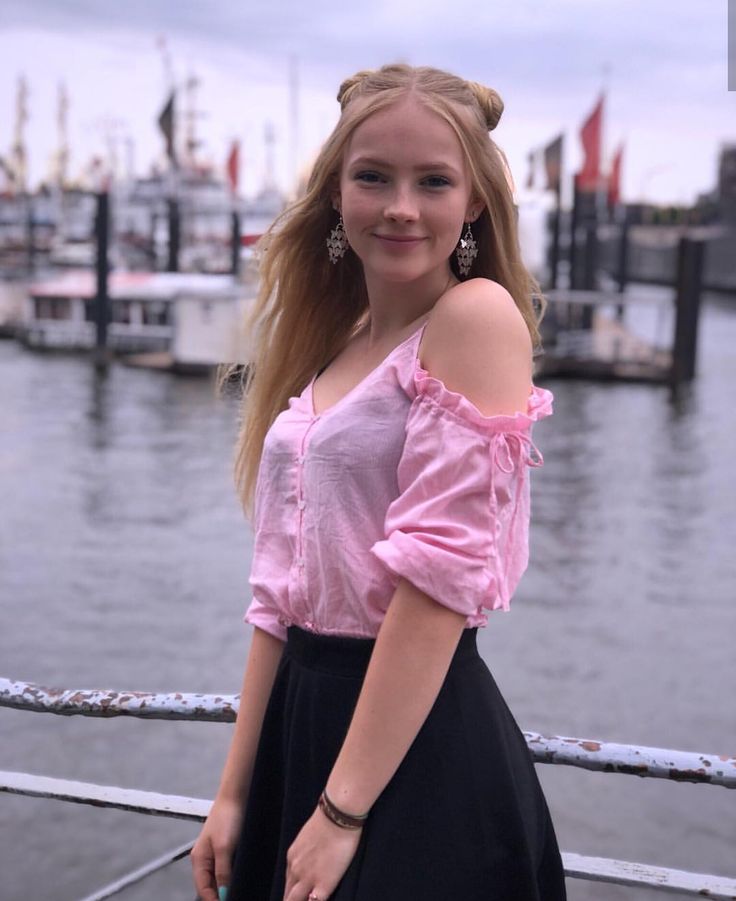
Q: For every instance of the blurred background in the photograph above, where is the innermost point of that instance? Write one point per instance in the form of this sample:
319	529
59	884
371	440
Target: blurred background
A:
144	147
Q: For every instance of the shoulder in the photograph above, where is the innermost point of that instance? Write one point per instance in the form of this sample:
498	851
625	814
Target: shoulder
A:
478	344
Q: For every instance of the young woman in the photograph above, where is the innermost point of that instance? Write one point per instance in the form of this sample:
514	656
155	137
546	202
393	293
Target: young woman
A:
386	443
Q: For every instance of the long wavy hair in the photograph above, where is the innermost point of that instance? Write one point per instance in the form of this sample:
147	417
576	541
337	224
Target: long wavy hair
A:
308	309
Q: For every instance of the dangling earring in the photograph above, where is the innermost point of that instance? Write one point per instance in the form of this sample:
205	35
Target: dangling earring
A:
337	243
466	251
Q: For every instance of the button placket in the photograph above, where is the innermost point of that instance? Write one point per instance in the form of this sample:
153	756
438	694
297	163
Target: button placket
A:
301	504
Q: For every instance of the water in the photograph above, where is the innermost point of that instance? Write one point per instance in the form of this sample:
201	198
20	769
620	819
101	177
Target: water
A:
124	559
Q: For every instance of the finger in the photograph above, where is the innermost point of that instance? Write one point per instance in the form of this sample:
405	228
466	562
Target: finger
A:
203	872
298	892
222	869
291	879
289	887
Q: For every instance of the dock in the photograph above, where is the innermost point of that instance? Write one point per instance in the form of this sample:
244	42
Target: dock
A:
585	333
589	339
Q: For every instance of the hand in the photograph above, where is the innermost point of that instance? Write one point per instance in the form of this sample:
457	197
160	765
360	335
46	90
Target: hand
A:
213	851
318	858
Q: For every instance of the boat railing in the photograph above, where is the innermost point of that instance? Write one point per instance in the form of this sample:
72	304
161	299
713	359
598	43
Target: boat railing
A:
589	754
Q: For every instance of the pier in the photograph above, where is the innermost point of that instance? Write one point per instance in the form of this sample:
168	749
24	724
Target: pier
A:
585	330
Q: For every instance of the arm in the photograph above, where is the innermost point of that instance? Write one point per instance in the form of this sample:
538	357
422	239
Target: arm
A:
409	663
212	852
480	347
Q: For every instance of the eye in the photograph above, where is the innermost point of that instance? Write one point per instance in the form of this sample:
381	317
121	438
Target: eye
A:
436	181
368	177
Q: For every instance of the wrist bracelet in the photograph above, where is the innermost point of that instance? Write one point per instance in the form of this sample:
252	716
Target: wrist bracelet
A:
339	817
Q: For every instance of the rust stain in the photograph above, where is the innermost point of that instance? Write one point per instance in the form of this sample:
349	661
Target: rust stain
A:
590	745
632	769
690	775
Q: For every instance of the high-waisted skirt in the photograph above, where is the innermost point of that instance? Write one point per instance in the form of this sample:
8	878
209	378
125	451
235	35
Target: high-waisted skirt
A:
462	819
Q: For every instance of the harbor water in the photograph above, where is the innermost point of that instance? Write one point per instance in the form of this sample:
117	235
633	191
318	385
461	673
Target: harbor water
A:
124	561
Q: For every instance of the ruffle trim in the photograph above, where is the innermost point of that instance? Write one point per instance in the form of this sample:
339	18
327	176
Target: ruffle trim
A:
539	405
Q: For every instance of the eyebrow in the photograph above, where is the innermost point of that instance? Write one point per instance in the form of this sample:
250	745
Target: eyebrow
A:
382	164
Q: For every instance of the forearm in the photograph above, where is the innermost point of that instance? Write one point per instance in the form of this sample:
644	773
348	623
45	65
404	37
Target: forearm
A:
260	672
410	660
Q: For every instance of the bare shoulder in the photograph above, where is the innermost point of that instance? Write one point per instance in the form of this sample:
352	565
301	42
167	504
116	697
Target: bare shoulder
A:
478	344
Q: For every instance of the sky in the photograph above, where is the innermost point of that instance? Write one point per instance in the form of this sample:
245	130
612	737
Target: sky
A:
662	64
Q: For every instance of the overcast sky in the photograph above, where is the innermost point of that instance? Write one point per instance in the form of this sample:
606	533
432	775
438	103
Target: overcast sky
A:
663	64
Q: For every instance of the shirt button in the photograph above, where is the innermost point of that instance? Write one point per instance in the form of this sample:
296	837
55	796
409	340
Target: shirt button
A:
301	458
300	561
301	504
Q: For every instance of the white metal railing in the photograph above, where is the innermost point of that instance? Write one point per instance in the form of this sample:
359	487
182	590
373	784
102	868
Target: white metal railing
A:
590	754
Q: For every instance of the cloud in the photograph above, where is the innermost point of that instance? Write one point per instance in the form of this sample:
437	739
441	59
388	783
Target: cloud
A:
665	71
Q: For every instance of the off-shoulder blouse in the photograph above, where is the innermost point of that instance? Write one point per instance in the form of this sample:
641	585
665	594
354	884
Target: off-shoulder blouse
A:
402	477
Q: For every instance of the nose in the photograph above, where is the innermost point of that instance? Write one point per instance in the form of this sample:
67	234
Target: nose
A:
401	205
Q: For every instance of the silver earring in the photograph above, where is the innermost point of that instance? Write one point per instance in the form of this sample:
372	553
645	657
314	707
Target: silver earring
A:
337	243
466	251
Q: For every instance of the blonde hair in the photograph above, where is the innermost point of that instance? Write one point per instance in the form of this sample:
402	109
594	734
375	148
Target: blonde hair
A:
307	309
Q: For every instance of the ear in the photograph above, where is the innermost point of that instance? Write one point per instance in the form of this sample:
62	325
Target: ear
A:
336	200
475	208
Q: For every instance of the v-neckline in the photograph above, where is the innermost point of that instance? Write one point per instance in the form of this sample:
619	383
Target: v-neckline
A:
340	401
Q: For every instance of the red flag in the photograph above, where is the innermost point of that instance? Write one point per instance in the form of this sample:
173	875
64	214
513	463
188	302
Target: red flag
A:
614	179
589	177
233	166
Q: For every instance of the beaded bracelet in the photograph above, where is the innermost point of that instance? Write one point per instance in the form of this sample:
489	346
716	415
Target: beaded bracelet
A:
338	817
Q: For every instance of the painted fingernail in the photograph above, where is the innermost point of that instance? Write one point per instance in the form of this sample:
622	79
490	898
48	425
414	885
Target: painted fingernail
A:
222	893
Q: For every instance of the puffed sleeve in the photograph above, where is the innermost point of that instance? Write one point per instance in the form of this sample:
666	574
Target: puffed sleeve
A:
265	616
459	528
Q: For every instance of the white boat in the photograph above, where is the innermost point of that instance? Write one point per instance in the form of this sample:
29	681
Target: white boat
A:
194	319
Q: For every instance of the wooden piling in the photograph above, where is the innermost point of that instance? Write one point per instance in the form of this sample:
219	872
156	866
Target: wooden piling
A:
30	235
687	309
101	352
235	243
174	234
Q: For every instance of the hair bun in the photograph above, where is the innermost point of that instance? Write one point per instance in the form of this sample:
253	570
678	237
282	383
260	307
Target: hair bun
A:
489	101
347	88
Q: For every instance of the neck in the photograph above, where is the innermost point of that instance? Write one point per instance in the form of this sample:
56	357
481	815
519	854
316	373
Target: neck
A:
394	306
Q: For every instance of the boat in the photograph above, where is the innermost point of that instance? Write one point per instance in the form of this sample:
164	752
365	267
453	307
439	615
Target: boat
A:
193	317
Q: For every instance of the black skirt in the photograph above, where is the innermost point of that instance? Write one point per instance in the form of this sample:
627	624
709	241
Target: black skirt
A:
463	817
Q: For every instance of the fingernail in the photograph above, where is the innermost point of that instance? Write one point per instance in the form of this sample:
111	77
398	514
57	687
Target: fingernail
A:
222	893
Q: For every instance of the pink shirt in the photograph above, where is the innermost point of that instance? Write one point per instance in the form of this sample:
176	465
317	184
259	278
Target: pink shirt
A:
401	477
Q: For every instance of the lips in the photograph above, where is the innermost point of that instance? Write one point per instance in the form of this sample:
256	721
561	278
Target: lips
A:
401	239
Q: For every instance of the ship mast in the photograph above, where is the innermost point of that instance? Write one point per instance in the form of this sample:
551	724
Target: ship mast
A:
19	158
269	181
191	142
62	154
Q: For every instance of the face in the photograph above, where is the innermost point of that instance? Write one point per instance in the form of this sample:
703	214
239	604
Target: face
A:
405	194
